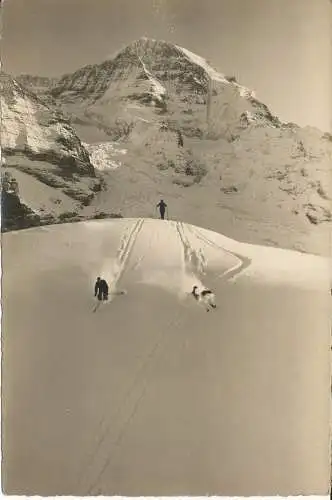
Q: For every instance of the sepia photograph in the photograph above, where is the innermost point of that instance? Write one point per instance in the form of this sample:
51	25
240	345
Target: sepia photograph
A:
166	187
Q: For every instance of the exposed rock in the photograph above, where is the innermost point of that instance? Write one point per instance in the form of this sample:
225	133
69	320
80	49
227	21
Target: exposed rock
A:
37	140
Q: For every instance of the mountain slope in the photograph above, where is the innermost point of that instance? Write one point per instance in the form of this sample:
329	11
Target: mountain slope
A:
39	144
39	85
204	142
151	382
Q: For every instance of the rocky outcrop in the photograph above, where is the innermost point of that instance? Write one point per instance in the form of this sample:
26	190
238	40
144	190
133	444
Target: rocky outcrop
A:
14	213
31	128
36	139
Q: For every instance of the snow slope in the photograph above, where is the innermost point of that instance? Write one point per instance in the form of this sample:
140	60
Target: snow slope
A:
41	198
104	155
151	395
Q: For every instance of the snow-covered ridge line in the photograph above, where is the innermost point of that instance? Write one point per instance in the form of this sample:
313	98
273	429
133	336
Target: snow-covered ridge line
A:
213	74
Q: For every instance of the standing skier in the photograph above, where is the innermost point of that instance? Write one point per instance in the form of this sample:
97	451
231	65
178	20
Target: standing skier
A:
101	289
162	208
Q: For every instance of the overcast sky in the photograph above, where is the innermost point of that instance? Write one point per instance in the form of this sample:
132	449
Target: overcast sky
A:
280	48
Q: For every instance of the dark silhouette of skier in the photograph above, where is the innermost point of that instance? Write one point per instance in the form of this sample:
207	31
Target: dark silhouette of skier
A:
162	209
101	289
180	139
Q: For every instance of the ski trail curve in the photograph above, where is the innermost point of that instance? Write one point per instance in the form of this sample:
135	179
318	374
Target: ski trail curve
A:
243	262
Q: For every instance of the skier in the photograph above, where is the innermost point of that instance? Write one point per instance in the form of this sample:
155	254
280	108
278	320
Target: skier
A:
162	208
101	289
14	185
180	139
206	296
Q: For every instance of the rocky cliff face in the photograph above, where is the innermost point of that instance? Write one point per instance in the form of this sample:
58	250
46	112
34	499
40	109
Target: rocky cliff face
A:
40	86
31	128
37	140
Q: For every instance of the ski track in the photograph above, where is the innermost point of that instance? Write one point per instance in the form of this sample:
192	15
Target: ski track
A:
111	437
123	254
112	434
125	249
126	246
244	262
190	253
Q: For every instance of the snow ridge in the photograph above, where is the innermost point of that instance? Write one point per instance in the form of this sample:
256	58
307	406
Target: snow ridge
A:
213	74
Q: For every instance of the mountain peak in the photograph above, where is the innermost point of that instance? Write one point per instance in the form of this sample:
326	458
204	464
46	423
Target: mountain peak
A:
145	46
150	77
157	52
145	39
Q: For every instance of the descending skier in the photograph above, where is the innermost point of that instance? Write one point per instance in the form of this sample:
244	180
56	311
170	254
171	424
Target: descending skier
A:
206	296
162	208
101	289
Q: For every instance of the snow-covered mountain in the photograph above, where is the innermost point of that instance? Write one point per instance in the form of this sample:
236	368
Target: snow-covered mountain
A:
39	147
168	80
206	143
